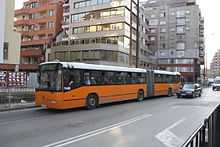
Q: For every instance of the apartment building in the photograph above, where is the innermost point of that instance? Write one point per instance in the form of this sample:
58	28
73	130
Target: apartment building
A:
215	65
38	22
101	32
177	35
9	39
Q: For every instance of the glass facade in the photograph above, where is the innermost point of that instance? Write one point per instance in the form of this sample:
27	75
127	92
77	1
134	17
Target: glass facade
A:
121	41
107	13
93	55
98	28
87	3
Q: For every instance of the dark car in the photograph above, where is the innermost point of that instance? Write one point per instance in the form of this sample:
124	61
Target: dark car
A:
190	90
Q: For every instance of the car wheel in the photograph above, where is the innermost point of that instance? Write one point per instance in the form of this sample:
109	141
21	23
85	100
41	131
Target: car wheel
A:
92	101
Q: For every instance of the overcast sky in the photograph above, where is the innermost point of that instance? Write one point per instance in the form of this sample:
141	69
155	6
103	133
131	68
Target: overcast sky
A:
210	10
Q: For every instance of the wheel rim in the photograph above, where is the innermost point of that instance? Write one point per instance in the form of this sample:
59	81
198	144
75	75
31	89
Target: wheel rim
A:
92	101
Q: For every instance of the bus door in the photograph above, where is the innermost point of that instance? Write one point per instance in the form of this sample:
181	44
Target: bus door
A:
150	83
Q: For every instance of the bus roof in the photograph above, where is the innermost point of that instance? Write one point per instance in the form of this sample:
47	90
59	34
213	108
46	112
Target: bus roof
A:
96	67
78	65
166	72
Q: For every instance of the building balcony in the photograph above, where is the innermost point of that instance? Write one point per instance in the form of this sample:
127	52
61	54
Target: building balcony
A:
31	52
21	22
22	67
29	67
37	32
22	11
42	19
35	42
44	7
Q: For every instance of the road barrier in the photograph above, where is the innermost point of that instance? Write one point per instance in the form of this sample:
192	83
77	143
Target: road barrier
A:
208	134
11	97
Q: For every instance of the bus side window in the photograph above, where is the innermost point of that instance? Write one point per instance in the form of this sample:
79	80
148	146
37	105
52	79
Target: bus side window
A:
96	77
129	78
86	78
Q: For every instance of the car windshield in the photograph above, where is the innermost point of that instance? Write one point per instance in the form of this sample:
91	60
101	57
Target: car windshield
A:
188	86
217	81
50	77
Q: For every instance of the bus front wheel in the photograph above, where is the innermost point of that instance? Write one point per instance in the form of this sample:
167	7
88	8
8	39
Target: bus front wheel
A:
92	101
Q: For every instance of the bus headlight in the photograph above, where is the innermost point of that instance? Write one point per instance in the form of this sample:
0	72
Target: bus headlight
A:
53	101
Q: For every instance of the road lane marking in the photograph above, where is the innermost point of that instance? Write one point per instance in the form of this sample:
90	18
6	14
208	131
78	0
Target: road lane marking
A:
97	132
168	138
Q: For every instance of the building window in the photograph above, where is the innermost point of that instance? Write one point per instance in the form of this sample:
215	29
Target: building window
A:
162	46
6	46
180	54
163	30
153	16
188	12
51	13
34	5
99	14
88	3
172	29
181	21
180	13
50	24
153	22
162	38
98	28
180	46
152	38
180	29
163	14
162	22
153	30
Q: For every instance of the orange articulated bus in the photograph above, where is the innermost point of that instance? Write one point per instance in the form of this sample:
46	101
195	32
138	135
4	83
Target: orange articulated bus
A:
65	85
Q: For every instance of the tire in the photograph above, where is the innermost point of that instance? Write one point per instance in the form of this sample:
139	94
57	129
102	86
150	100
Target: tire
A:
92	101
140	96
170	92
193	95
178	96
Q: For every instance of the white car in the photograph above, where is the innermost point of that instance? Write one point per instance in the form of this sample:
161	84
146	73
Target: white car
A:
216	84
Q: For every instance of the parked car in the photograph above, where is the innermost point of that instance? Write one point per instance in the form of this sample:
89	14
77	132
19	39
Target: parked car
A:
190	90
216	84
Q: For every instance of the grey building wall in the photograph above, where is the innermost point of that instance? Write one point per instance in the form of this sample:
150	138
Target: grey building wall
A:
175	29
75	42
2	29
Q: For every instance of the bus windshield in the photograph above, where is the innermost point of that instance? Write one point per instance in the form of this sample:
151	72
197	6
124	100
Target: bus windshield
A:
50	77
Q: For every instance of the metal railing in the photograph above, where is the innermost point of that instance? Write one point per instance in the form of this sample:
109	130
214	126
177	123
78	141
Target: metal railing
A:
207	135
12	97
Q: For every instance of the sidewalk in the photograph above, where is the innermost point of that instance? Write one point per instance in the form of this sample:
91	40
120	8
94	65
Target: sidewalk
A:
7	107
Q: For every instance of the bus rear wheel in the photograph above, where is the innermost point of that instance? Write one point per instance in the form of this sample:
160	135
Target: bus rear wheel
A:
140	96
92	101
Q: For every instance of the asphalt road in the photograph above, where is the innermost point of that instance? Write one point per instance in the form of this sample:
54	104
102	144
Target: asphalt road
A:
157	122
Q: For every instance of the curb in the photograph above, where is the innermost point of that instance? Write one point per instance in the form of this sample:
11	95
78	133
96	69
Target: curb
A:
18	108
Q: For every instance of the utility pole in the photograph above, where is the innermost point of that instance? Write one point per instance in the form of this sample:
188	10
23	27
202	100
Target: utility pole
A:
137	36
